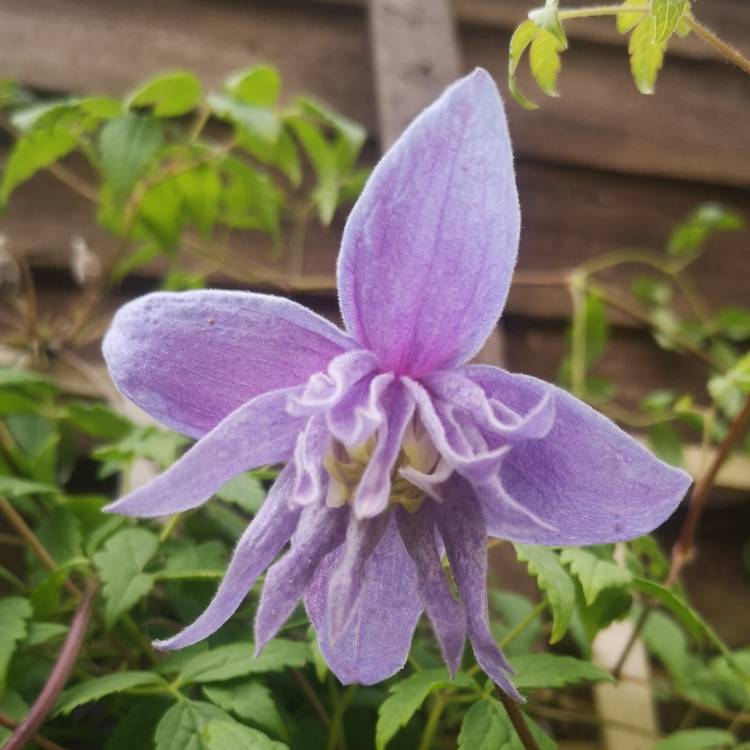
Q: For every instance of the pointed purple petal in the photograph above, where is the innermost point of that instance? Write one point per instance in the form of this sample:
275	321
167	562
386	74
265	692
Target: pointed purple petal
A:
348	580
375	643
374	489
430	246
447	617
589	481
268	532
191	358
462	528
258	433
320	530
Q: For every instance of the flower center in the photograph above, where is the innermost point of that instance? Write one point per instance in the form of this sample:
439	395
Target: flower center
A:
345	467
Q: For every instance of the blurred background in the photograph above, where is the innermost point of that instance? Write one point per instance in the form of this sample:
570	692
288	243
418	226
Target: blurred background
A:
602	168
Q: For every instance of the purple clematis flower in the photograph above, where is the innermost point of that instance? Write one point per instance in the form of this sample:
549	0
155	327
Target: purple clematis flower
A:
396	450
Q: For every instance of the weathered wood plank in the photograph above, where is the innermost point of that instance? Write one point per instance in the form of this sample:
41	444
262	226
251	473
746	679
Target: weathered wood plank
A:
415	56
688	131
569	216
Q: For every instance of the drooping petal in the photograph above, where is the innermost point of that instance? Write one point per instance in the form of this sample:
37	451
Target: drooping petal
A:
191	358
587	479
259	432
374	489
462	528
320	530
267	533
347	582
375	643
446	615
430	246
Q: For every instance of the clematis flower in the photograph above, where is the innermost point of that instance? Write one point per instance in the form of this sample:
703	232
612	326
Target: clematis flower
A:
397	451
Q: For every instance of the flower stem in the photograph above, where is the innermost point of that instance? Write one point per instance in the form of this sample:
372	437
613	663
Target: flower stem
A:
683	548
43	743
600	10
59	675
708	36
433	720
518	720
521	625
336	732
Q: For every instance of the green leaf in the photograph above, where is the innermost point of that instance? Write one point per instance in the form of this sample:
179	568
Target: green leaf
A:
169	94
127	146
696	739
646	55
14	614
628	21
261	122
521	39
259	85
555	581
40	633
183	727
237	660
513	610
544	59
665	442
245	491
734	323
249	700
135	728
548	18
60	533
98	420
229	735
652	291
554	671
121	563
667	598
689	237
200	189
667	641
13	488
668	14
322	156
33	151
93	690
594	573
485	727
406	696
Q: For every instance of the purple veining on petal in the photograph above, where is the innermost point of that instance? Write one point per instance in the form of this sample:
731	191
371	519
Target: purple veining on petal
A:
447	616
267	533
375	643
320	530
463	530
218	457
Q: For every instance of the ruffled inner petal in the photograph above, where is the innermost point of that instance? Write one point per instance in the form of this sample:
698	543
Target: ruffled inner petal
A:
358	415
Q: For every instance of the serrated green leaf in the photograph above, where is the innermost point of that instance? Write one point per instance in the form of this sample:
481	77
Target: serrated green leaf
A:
628	21
93	690
14	614
696	739
521	39
406	696
665	442
127	146
554	580
261	122
544	59
183	727
554	671
259	85
668	14
33	151
646	55
249	700
169	94
485	727
121	562
594	573
229	735
237	660
244	491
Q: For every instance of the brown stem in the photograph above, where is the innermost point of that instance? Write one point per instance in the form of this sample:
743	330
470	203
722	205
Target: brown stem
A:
45	701
725	49
634	636
683	548
44	743
518	721
311	695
